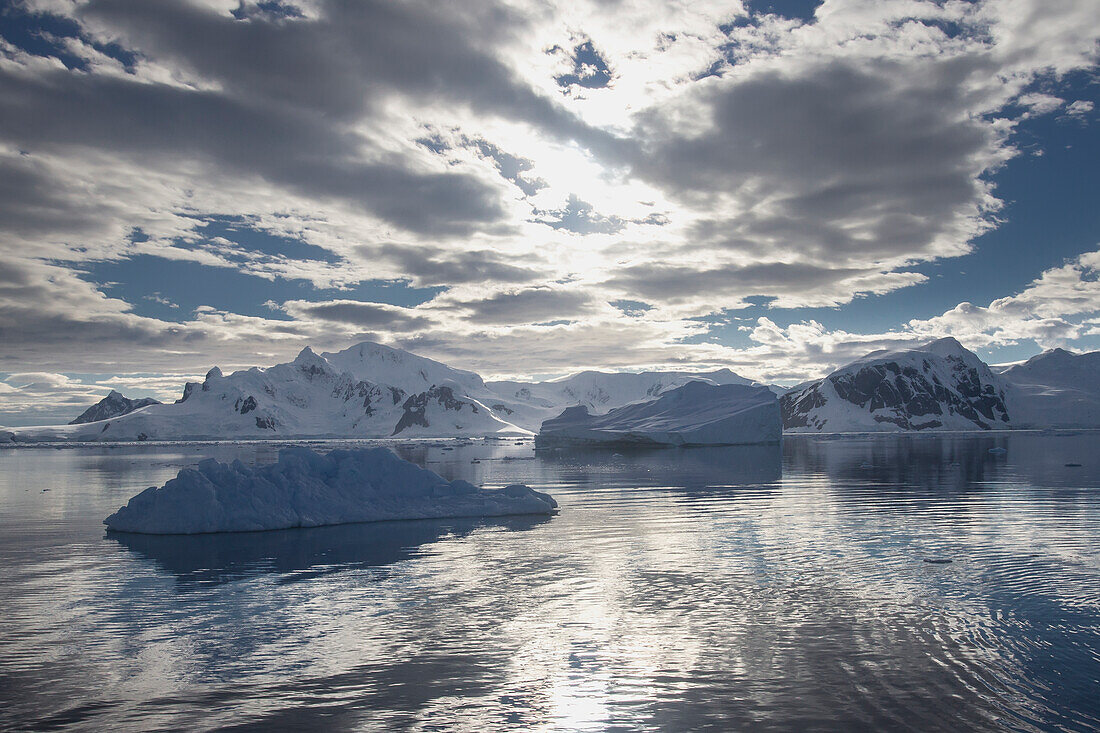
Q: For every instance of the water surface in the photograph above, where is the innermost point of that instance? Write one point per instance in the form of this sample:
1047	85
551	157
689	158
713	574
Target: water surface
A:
681	589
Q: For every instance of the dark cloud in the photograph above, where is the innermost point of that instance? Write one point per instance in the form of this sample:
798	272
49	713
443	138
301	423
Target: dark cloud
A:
297	148
529	305
34	200
359	314
672	283
428	265
353	55
845	159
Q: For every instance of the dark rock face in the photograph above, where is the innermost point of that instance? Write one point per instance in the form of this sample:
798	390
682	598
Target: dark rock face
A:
910	397
416	407
796	407
188	390
245	406
113	405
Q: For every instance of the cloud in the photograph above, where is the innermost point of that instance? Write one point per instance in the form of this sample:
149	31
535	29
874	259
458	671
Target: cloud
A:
358	314
1080	108
428	265
524	305
702	156
1060	305
783	285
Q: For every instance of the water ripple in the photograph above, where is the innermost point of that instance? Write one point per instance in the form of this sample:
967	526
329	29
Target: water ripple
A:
722	589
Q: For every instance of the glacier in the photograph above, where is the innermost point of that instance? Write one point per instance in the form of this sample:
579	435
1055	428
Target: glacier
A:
694	414
307	489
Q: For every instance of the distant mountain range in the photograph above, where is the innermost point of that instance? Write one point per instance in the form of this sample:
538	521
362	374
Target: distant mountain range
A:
375	391
366	391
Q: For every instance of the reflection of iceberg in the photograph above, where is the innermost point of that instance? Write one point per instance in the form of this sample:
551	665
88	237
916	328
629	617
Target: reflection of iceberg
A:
695	414
690	468
306	489
300	553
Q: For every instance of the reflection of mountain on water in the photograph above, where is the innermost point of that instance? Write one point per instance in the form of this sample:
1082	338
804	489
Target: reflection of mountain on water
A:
298	554
1040	459
929	462
946	462
686	468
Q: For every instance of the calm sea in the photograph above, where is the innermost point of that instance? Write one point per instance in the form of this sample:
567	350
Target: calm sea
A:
723	589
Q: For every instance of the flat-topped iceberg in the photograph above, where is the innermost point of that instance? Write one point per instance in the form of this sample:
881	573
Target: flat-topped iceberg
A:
695	414
307	489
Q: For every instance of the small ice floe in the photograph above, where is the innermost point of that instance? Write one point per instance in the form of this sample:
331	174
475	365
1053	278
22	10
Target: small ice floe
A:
307	489
938	560
998	451
866	464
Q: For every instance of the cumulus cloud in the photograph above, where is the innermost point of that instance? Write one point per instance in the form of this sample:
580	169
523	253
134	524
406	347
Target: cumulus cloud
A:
1060	305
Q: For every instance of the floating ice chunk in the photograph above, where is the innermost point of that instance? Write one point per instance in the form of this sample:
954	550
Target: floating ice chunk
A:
307	489
694	414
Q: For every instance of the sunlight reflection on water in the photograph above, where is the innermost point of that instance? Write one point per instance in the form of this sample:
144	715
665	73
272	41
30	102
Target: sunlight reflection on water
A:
725	588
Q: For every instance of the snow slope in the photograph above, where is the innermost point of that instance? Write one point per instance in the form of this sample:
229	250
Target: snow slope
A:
938	386
307	489
1056	388
113	405
696	413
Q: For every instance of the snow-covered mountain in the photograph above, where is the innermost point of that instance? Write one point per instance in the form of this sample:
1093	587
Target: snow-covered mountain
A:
113	405
696	413
374	391
938	386
367	391
1056	388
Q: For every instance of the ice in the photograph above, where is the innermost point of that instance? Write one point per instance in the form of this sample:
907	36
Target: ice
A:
695	414
308	489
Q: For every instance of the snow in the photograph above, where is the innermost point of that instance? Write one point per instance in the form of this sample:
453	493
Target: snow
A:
367	391
938	386
1055	389
307	489
696	413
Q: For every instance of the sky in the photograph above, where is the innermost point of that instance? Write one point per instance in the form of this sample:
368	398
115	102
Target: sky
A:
528	189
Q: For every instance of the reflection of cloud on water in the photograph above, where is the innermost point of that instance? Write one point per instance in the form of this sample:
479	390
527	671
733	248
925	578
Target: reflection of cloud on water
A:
300	554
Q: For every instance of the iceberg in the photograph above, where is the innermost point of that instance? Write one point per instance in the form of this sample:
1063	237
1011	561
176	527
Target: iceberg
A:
307	489
695	414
